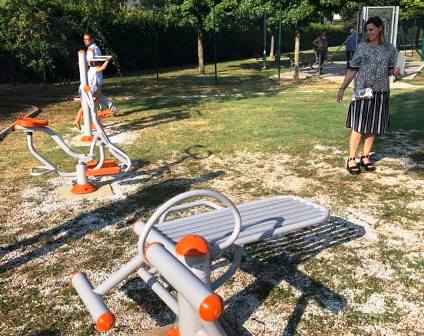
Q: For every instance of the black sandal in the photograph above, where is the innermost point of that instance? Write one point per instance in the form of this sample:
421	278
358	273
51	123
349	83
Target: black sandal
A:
353	170
369	167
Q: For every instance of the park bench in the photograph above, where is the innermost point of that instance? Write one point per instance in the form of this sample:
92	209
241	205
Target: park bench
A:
180	251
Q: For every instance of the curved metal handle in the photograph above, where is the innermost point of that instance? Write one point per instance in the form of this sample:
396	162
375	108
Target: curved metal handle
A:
163	209
113	149
188	206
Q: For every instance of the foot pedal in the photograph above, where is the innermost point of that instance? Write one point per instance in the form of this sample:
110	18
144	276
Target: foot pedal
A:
106	163
29	122
104	171
104	113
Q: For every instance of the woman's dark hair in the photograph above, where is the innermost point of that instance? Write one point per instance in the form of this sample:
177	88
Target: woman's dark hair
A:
90	35
378	22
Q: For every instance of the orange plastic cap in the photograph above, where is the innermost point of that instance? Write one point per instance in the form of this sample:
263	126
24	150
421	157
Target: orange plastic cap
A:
192	246
83	188
173	332
211	308
87	138
105	322
31	122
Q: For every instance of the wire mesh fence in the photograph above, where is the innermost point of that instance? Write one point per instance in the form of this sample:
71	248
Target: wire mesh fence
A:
262	43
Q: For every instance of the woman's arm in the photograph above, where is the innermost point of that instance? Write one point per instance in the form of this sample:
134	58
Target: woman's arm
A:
395	72
102	67
350	75
315	42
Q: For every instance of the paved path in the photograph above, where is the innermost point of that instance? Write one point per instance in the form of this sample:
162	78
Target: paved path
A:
335	72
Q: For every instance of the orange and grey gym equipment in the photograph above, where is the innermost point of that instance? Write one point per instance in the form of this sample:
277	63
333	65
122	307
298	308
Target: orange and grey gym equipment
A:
86	165
180	251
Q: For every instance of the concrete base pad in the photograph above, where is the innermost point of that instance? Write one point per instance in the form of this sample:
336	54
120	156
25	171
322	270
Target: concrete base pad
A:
63	193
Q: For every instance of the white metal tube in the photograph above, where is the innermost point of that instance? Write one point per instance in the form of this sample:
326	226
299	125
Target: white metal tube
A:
40	158
101	134
101	157
160	290
154	236
81	177
56	138
93	147
189	194
211	329
116	277
191	288
101	314
82	63
189	321
238	251
188	206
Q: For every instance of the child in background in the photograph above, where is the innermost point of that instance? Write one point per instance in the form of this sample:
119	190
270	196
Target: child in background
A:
95	79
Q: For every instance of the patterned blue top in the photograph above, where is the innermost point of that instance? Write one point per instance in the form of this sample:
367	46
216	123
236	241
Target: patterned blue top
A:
373	64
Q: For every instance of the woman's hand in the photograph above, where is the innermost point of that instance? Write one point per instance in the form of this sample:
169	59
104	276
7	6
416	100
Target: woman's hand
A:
396	72
340	94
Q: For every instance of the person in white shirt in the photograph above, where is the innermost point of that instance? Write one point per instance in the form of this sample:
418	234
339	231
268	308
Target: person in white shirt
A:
95	78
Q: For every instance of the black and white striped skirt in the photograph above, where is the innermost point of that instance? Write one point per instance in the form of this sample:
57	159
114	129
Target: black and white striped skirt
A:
369	116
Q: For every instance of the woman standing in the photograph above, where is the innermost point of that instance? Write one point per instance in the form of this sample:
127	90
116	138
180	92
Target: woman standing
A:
321	47
368	115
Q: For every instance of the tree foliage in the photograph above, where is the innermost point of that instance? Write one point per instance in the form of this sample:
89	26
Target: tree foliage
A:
43	35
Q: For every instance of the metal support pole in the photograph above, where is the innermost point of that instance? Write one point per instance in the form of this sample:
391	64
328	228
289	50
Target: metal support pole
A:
279	48
214	45
156	46
82	62
264	52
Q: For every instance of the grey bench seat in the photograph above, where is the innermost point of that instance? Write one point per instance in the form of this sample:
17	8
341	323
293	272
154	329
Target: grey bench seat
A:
260	220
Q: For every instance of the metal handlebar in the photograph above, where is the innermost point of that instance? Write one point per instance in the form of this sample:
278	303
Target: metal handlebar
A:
167	207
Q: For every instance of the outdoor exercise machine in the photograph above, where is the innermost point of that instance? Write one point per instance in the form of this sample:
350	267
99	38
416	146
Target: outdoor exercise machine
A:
180	251
86	166
94	132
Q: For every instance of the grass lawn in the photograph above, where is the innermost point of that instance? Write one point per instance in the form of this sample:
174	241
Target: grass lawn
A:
249	138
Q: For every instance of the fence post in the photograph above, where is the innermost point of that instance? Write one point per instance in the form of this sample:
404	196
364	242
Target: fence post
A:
279	48
264	52
214	43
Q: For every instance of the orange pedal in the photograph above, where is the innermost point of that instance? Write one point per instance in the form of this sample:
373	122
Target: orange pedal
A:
86	138
106	163
31	122
103	171
104	113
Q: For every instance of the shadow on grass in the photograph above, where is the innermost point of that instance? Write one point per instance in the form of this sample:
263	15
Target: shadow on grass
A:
196	84
277	259
406	131
83	225
45	333
148	121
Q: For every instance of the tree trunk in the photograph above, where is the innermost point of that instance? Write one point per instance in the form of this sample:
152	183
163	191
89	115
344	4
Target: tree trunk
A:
200	56
272	47
296	56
